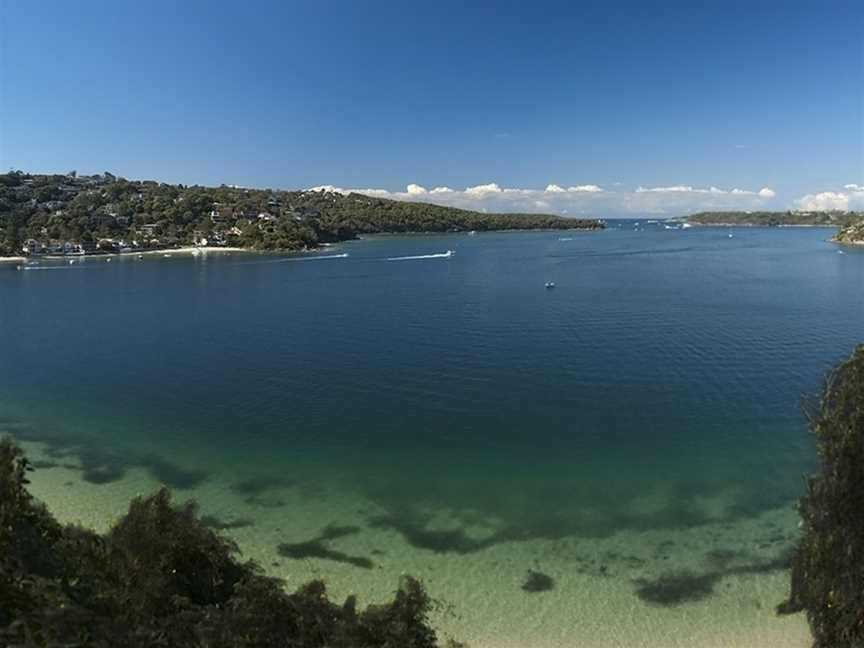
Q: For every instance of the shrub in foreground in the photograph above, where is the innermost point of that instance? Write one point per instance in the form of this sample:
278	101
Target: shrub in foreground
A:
160	578
828	567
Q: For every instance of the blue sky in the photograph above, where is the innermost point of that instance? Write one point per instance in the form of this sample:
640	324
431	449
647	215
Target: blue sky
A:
599	99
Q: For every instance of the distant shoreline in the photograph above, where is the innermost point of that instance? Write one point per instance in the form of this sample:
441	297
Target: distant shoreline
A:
185	250
762	225
321	247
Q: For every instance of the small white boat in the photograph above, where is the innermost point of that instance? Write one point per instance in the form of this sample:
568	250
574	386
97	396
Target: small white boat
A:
550	285
108	260
71	261
140	256
730	236
167	256
471	233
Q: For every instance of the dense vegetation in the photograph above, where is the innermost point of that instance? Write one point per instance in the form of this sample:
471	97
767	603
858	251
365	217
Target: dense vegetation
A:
852	234
828	567
90	209
160	578
776	219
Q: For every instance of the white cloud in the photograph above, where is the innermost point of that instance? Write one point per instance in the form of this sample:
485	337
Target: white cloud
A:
851	199
675	189
587	200
481	190
764	192
824	201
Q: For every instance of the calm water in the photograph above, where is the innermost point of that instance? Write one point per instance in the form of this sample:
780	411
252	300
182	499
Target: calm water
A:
670	362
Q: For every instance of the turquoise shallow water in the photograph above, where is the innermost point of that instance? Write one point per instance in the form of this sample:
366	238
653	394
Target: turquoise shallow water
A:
657	388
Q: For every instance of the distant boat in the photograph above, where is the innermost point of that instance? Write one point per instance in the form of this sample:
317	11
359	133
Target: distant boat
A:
730	236
550	285
686	226
471	233
167	256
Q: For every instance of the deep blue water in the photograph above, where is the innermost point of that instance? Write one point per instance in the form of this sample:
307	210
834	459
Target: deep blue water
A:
663	361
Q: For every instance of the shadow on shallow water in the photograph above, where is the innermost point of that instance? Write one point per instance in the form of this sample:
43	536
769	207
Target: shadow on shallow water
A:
460	535
262	491
316	548
528	507
103	466
215	522
536	581
685	586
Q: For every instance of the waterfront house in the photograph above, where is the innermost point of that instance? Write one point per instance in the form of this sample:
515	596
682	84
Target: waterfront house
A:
72	249
32	247
221	215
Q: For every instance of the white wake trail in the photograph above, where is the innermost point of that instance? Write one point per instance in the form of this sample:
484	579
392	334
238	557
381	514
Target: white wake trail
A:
440	255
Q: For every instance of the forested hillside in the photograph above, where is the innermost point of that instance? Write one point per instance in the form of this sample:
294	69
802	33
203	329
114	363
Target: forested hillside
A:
44	212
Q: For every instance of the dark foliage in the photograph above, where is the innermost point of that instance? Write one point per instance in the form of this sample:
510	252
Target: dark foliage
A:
161	578
828	566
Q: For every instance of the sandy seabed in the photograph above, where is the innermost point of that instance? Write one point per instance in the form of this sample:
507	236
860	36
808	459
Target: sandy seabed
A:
481	601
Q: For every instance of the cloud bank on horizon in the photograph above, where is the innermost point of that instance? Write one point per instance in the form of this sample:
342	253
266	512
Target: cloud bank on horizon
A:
594	200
